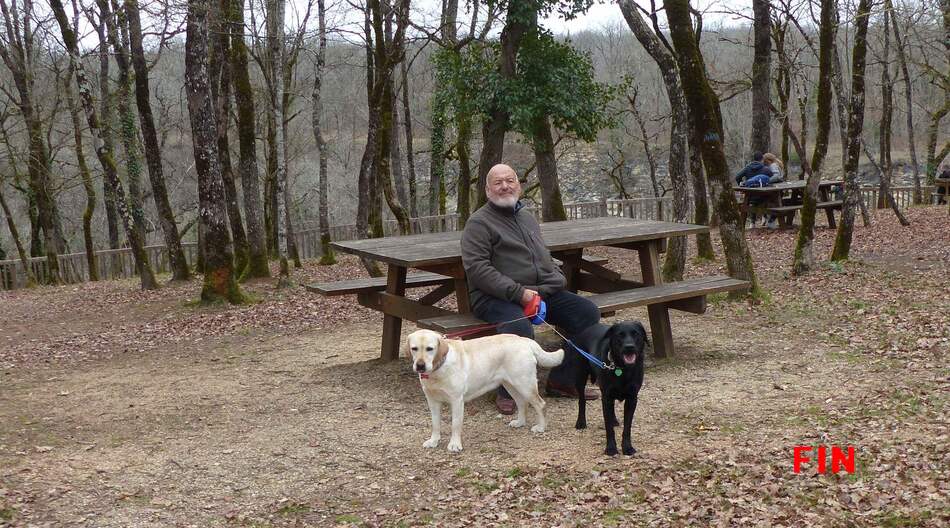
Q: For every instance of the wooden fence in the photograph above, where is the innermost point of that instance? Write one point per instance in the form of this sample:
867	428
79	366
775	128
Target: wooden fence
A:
118	263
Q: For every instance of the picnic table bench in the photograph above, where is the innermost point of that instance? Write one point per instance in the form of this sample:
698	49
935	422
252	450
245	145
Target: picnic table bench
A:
773	202
438	256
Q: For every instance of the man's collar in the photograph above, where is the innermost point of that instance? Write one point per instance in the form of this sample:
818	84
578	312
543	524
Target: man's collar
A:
519	205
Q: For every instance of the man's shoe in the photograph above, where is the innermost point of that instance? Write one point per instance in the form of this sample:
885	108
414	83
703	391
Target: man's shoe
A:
505	405
561	391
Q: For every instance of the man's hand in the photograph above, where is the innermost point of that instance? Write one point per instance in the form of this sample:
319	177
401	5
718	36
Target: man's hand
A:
527	296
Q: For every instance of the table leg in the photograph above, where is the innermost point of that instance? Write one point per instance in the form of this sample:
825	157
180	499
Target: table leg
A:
659	314
744	208
461	290
823	193
571	267
392	325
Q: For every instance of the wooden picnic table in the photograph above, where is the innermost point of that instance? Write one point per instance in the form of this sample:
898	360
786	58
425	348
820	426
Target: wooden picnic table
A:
772	199
439	254
944	184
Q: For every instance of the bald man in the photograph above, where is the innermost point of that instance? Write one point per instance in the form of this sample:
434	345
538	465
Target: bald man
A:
507	264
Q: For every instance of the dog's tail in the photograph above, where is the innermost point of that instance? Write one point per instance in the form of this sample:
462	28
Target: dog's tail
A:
548	359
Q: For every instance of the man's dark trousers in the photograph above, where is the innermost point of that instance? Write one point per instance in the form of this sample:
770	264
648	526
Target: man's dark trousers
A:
568	311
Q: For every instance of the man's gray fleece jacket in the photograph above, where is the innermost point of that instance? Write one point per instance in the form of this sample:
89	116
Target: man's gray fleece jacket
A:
503	253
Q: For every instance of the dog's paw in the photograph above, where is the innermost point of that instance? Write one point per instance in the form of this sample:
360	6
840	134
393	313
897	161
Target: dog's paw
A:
629	451
430	443
516	423
455	446
580	425
611	451
538	428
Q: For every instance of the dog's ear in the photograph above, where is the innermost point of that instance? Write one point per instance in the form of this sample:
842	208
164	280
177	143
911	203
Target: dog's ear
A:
642	331
441	351
603	347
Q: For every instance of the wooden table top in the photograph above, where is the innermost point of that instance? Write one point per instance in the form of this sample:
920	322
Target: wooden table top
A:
444	248
785	186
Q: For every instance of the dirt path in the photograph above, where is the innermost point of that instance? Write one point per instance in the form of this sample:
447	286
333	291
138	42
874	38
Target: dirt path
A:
267	427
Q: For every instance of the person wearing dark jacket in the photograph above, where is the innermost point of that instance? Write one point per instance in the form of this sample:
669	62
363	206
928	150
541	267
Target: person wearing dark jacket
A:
507	264
754	168
750	171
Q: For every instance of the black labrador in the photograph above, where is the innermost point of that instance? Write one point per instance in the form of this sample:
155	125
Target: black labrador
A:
620	346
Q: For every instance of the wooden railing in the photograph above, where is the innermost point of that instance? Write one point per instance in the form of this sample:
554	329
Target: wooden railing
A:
73	267
118	263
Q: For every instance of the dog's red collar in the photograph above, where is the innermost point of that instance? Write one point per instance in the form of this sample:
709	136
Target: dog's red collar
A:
423	375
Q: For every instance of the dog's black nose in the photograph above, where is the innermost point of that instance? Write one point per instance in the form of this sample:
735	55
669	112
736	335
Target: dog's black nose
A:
420	367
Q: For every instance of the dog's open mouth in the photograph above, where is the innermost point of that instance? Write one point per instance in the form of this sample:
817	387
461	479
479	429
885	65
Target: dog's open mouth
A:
630	359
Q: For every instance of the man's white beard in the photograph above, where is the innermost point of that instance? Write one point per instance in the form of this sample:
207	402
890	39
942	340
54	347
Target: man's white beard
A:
504	201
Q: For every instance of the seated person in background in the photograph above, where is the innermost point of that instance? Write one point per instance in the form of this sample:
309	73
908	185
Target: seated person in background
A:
755	174
754	168
507	264
942	190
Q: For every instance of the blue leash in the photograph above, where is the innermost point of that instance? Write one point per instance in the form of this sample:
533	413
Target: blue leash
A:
538	318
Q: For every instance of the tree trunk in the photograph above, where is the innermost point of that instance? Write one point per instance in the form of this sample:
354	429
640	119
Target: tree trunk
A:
852	193
86	182
933	129
127	126
887	117
153	154
18	60
386	57
908	98
463	124
275	57
704	104
219	72
105	106
106	159
761	73
675	263
250	176
521	17
804	257
21	252
220	282
368	221
437	154
410	157
552	206
783	85
327	256
399	177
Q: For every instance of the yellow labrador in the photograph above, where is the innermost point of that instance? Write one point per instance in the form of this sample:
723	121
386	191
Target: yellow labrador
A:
455	372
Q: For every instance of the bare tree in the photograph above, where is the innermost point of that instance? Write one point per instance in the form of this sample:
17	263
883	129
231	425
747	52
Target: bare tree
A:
675	263
761	73
219	70
85	175
106	159
17	53
899	46
11	225
220	282
247	137
852	193
388	53
704	104
804	256
327	256
153	153
275	40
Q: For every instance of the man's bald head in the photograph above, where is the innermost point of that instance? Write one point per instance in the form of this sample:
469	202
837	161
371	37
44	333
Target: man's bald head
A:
502	186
